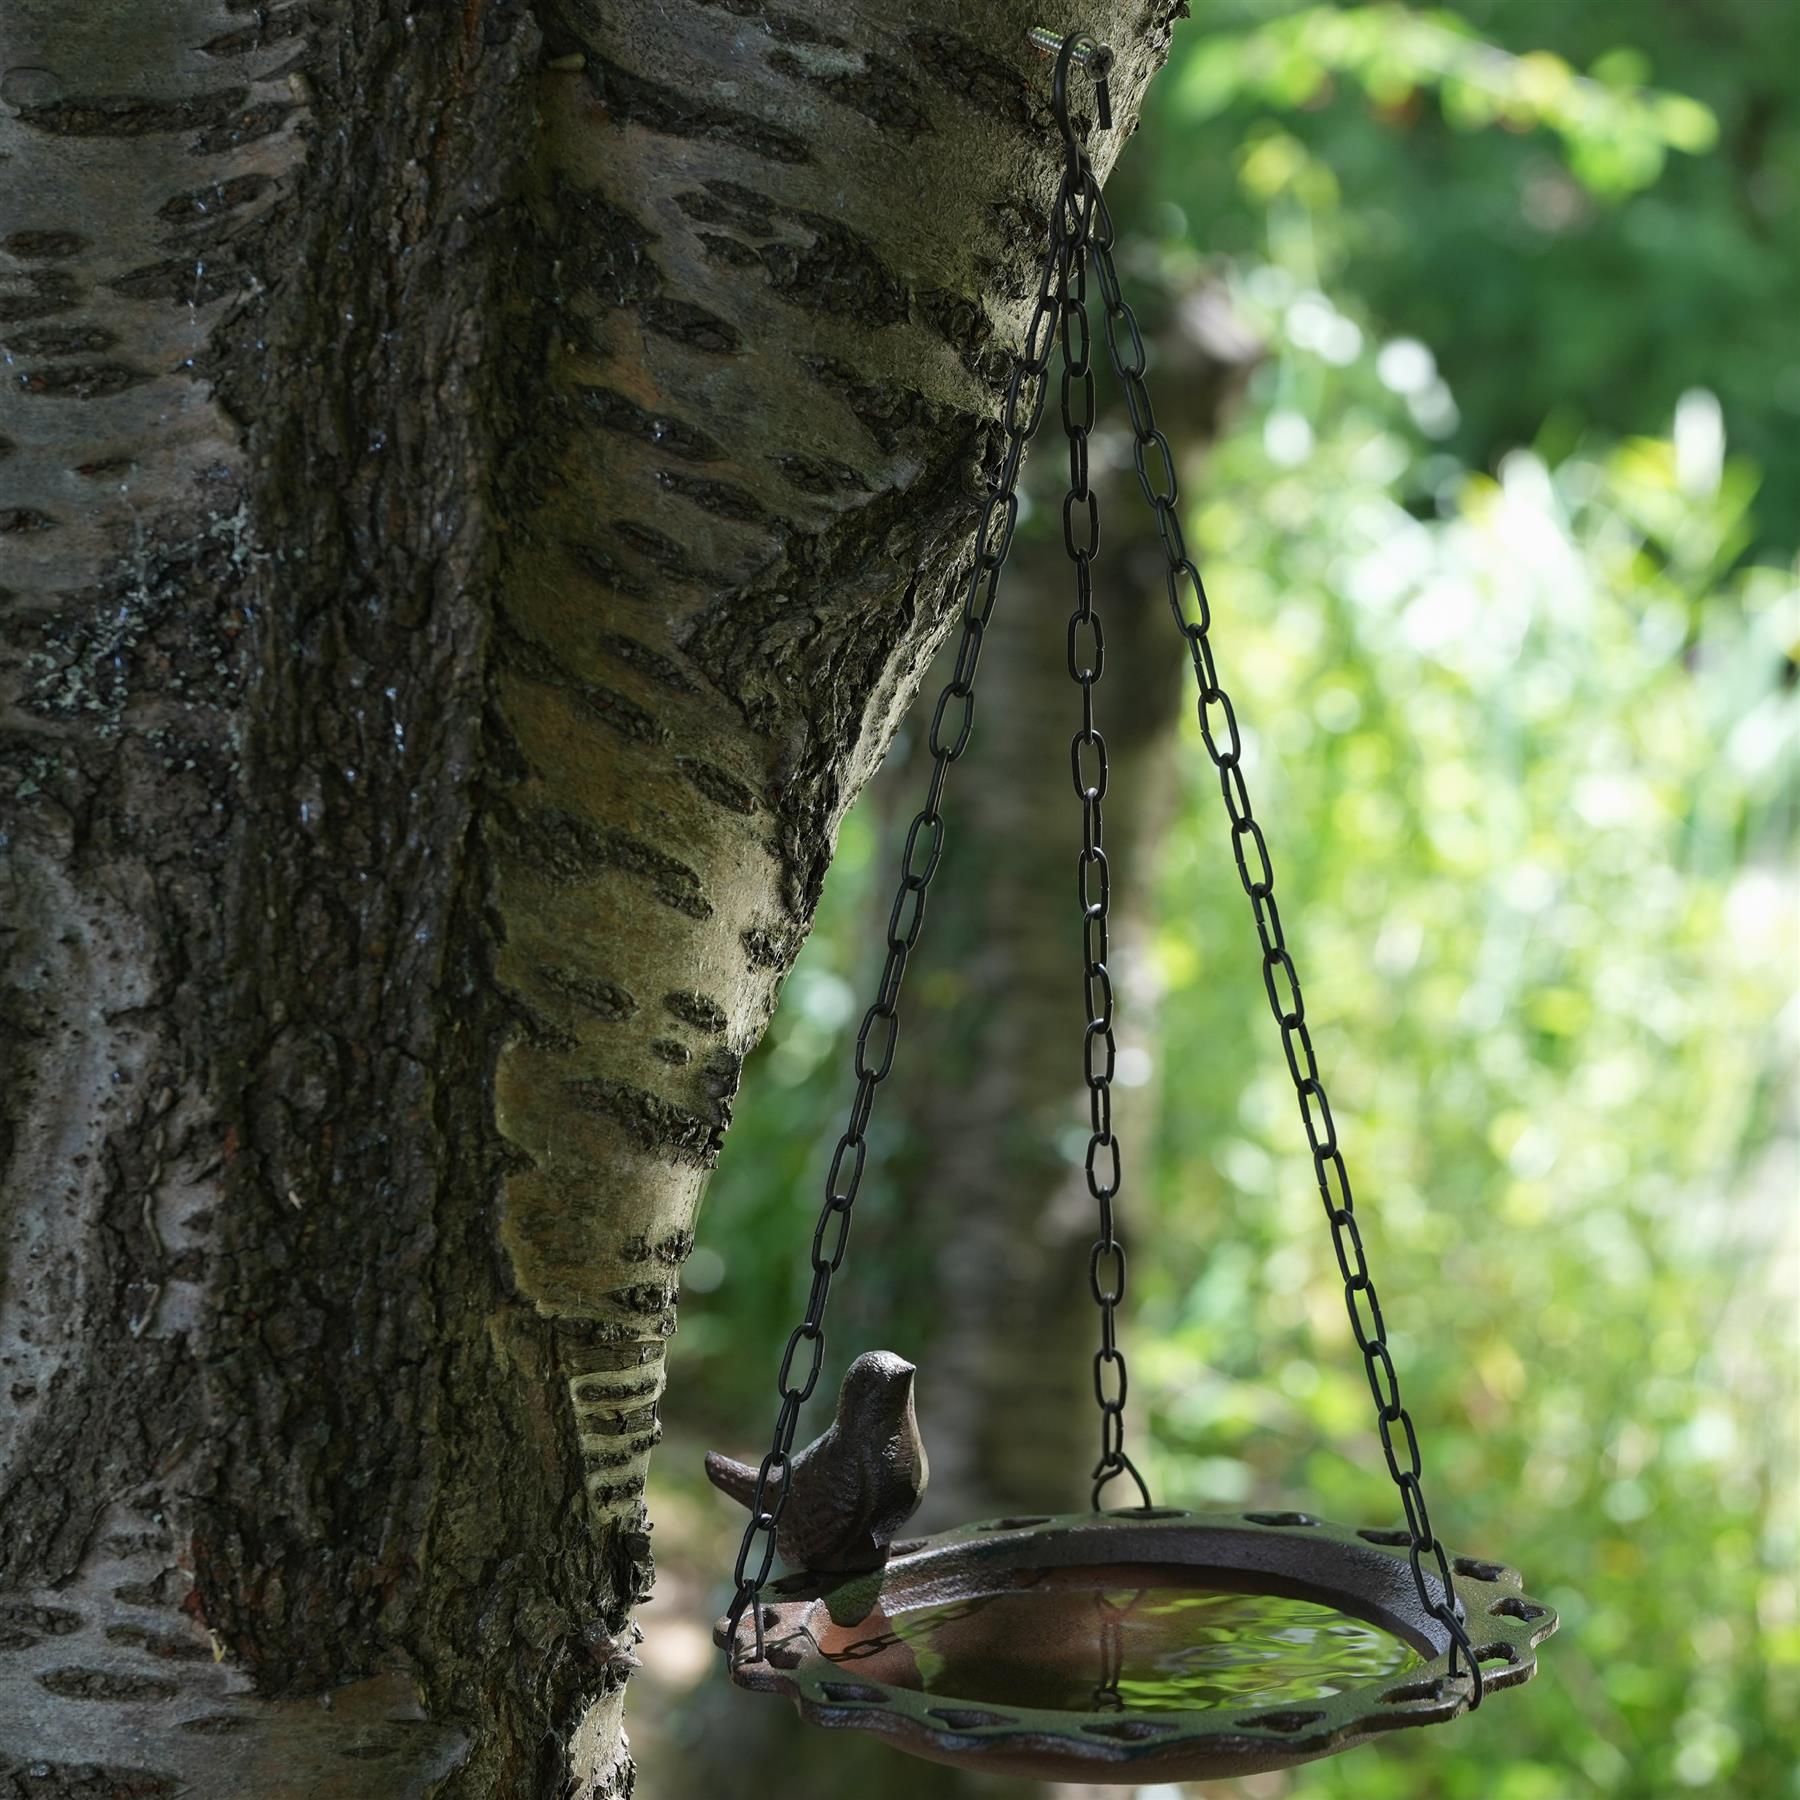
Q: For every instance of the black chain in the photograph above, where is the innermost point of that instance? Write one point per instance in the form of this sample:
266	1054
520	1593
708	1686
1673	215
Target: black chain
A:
1088	769
952	722
1224	744
1081	225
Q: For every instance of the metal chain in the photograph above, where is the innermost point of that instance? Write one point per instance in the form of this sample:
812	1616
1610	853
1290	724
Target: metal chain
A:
1081	225
1224	744
952	722
1088	770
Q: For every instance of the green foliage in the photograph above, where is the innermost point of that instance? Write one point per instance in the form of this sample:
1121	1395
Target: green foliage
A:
1614	133
1583	211
1501	559
1524	763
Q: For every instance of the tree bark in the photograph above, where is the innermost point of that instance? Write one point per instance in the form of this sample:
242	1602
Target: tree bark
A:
477	488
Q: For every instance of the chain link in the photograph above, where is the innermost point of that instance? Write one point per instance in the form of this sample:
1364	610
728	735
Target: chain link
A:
1155	465
1088	770
952	722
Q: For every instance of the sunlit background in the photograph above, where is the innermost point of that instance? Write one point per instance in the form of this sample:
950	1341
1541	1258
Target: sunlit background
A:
1477	331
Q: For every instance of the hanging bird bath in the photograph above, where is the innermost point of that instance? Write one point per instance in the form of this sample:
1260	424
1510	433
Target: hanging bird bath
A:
1080	1648
1149	1644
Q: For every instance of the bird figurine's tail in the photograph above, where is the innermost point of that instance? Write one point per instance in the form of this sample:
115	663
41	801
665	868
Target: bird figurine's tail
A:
731	1477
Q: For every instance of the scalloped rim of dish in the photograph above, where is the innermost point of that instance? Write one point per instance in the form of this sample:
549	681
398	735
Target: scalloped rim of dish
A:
1360	1570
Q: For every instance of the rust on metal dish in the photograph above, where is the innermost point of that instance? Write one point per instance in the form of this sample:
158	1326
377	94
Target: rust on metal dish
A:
874	1652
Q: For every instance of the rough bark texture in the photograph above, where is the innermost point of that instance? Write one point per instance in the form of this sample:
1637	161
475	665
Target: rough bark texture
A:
477	488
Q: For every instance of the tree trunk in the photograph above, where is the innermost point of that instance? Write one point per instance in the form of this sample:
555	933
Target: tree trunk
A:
477	488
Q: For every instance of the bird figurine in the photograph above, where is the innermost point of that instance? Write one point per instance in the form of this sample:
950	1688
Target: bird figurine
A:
854	1485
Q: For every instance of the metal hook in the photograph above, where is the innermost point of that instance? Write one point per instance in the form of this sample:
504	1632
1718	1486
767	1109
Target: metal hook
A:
1084	50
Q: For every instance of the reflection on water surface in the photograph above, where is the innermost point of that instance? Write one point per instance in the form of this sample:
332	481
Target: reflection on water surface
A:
1079	1647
